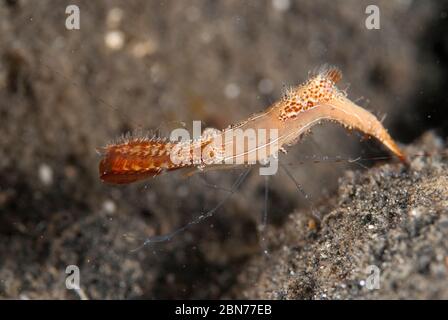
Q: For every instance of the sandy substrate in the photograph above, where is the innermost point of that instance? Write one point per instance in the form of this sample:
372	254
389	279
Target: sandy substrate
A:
391	217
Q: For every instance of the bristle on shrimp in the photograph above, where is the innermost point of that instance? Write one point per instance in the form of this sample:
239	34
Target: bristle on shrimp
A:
319	89
138	158
135	159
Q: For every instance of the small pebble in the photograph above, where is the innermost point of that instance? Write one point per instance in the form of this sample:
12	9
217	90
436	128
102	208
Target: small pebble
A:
281	5
109	206
114	17
45	174
232	91
114	39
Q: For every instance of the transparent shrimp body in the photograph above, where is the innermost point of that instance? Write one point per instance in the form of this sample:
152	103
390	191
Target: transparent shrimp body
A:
256	139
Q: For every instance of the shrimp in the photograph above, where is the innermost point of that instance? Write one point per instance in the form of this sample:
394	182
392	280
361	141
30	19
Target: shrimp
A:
313	102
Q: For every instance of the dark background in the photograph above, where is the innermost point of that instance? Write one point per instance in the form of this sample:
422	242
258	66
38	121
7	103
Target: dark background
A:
65	93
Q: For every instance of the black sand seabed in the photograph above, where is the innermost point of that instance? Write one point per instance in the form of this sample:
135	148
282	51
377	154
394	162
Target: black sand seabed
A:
391	217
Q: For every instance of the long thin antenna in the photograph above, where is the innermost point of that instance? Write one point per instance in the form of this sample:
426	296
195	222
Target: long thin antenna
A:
305	195
264	217
202	217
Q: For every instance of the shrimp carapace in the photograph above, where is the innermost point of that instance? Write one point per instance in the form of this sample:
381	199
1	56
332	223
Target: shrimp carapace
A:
301	108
